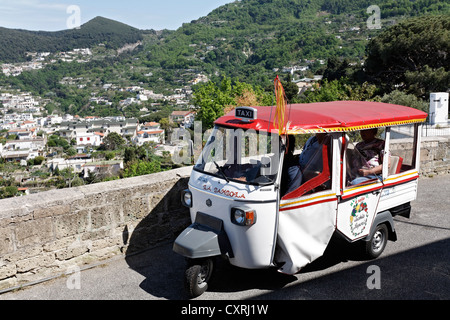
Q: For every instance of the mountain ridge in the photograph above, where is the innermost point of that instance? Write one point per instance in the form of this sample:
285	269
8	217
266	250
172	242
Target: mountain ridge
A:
15	43
269	34
275	18
252	40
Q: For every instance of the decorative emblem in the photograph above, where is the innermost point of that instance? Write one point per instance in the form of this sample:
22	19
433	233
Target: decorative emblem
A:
359	215
209	202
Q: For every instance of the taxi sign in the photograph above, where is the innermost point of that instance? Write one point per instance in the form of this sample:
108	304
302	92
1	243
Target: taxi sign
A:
246	113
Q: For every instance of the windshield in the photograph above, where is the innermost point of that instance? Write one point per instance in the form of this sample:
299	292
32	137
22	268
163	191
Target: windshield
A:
246	156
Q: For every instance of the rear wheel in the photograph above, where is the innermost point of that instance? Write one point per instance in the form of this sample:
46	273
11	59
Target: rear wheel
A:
197	276
375	246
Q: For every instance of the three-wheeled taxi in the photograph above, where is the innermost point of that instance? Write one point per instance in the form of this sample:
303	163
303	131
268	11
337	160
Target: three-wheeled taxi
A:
260	199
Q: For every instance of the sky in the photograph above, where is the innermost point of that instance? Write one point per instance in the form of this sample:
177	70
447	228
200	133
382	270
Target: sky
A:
51	15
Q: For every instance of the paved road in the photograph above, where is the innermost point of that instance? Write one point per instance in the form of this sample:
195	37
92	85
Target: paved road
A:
417	266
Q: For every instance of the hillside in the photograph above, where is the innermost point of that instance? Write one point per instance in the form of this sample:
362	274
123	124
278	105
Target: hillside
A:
14	44
250	38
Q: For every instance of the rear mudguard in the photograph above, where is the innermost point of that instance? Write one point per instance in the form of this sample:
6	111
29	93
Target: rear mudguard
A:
204	238
386	218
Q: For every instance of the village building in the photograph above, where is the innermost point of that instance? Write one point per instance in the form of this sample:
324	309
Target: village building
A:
150	132
94	139
183	118
102	168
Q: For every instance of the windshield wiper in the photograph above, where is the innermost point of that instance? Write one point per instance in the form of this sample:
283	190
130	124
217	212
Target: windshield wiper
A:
221	171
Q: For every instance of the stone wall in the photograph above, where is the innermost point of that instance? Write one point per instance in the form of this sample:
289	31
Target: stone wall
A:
435	156
46	234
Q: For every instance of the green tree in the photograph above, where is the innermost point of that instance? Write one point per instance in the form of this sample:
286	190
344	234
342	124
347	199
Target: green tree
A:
141	167
71	151
214	100
290	88
415	47
113	141
130	154
8	192
36	161
109	155
404	99
167	127
211	100
341	89
338	68
56	141
421	83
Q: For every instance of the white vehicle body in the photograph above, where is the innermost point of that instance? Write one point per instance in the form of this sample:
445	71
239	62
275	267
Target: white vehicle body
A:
291	230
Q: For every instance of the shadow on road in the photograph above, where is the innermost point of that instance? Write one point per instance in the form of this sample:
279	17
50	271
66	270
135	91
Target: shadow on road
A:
162	268
420	273
163	271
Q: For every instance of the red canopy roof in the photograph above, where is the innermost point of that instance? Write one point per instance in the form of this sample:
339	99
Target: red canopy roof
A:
329	117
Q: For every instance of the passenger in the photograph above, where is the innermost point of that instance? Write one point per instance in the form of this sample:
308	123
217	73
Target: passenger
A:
372	149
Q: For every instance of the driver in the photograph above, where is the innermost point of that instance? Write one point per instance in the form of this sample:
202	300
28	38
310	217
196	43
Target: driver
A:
292	175
310	159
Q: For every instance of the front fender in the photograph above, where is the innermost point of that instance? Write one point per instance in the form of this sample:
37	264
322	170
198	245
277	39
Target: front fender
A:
204	238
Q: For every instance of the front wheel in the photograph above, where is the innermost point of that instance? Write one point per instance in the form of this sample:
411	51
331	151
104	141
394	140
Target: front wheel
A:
376	244
197	276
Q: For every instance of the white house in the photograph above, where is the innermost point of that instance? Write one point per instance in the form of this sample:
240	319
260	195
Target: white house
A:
28	124
89	138
150	132
142	137
61	164
184	118
142	97
150	126
19	155
54	119
106	168
8	125
23	134
33	144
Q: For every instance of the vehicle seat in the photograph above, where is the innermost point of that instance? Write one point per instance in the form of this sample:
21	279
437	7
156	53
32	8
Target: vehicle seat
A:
396	165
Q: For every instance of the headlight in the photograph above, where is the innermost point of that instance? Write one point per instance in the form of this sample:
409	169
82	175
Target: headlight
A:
243	216
186	198
239	216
